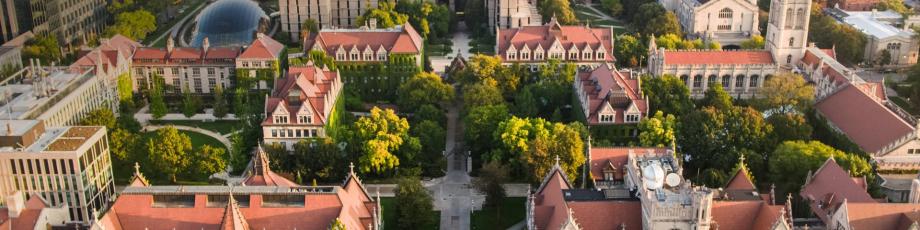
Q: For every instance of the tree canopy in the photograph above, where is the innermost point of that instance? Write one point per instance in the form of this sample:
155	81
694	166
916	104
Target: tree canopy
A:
792	160
561	9
386	15
656	20
169	151
785	93
668	94
755	42
380	135
42	47
628	50
413	204
421	89
134	25
716	137
825	32
534	143
657	131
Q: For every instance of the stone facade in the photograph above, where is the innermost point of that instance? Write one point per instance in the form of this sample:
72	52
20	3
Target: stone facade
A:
326	13
505	14
729	22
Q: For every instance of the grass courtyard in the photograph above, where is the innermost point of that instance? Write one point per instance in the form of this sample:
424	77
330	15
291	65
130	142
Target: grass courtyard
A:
124	172
512	212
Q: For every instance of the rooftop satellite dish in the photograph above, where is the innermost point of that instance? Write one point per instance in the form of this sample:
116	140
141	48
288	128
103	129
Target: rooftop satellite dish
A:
672	180
653	176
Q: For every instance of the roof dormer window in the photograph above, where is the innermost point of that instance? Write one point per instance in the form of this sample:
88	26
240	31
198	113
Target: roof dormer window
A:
305	119
280	119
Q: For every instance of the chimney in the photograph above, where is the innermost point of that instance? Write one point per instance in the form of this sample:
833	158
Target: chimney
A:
170	44
205	44
372	23
15	203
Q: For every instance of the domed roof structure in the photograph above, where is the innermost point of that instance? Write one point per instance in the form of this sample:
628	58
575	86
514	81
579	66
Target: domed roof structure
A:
653	176
229	23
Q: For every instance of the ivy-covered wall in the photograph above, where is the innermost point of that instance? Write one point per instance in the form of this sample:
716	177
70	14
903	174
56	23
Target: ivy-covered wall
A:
372	81
607	135
333	122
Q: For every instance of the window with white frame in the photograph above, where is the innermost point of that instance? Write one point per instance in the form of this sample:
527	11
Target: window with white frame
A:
538	56
354	56
281	119
725	13
525	55
382	56
340	57
304	119
601	55
606	118
632	118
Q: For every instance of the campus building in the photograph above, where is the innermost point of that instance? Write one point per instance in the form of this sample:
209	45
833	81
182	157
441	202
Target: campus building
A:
302	105
885	41
145	206
741	73
65	166
112	58
728	22
842	202
55	95
328	14
641	188
71	21
201	70
583	45
34	213
506	14
608	96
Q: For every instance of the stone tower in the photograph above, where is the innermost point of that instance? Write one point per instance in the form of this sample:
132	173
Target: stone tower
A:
787	31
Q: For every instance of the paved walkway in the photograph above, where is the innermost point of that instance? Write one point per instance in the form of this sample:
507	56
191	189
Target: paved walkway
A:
218	136
453	195
144	117
597	14
461	40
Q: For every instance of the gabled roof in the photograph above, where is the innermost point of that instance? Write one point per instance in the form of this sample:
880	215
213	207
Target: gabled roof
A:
829	187
107	53
882	215
261	173
546	35
850	110
233	218
607	214
722	57
263	47
312	84
402	39
138	180
603	157
607	86
741	181
551	211
753	215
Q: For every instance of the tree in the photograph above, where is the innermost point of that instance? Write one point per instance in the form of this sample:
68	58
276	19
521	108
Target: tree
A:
792	160
557	72
716	97
413	204
657	131
157	105
319	159
883	58
491	177
190	104
386	15
337	225
785	93
656	20
475	16
433	139
893	5
45	48
310	25
125	89
134	25
755	42
559	9
628	50
534	144
168	151
613	7
714	45
479	125
789	127
220	103
122	143
714	137
380	134
430	113
210	160
100	117
481	95
667	94
825	32
423	88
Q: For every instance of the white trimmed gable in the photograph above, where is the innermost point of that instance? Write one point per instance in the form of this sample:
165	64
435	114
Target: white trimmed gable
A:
354	54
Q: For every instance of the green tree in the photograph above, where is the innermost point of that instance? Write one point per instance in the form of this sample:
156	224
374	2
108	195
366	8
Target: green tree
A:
125	88
169	151
134	25
157	105
319	159
190	104
479	124
716	97
613	7
310	25
893	5
849	43
883	58
792	160
433	139
558	8
556	71
491	177
716	137
657	131
337	225
210	160
380	134
421	89
220	103
100	117
667	94
656	20
386	15
755	42
413	205
481	95
475	16
785	93
534	143
628	50
789	127
714	45
45	48
122	143
430	113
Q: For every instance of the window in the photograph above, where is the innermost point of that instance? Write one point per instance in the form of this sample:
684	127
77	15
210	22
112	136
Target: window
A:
788	59
739	81
632	118
256	64
382	56
305	119
684	78
573	56
724	27
601	56
538	56
354	56
726	81
268	63
799	18
894	46
175	71
791	42
697	81
725	13
754	80
211	71
245	64
368	56
173	201
281	119
525	55
196	71
279	201
789	16
608	176
606	118
512	55
587	55
220	201
340	57
712	80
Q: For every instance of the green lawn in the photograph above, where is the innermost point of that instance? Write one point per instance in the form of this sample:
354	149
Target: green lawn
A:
512	212
124	172
221	126
389	217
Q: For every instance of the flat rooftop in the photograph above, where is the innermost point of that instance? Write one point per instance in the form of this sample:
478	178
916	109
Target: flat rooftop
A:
870	25
16	127
33	89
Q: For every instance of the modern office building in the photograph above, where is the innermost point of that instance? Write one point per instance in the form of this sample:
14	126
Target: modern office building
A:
9	20
72	21
328	14
506	14
63	165
54	95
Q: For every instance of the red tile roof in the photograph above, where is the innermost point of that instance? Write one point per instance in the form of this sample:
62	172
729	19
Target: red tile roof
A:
849	109
829	186
545	35
110	49
551	211
263	47
160	55
404	40
753	215
741	181
620	89
607	214
314	84
881	215
602	158
710	57
261	173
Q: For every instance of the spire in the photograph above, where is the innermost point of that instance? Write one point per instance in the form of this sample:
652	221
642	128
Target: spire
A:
233	218
261	172
138	180
260	162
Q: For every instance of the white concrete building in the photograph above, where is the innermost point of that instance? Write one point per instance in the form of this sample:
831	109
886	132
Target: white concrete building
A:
787	31
729	22
326	13
55	95
63	165
882	36
506	14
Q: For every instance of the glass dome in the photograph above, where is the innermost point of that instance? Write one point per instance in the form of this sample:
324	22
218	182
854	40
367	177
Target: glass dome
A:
228	23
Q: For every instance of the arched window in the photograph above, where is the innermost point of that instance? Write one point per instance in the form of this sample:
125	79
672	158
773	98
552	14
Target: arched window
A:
792	42
739	81
789	18
684	78
712	80
697	81
800	18
754	79
726	81
725	13
789	59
